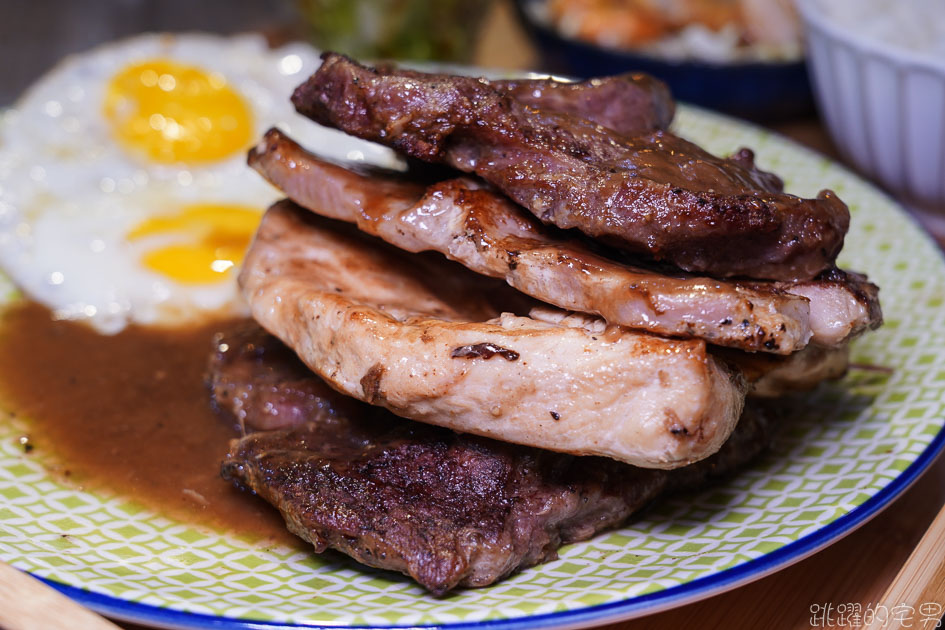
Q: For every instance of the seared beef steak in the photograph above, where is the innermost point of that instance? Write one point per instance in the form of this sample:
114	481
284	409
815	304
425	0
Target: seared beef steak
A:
264	386
653	193
445	508
630	104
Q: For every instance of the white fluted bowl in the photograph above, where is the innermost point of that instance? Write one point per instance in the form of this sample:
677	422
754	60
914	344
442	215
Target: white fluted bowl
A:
884	107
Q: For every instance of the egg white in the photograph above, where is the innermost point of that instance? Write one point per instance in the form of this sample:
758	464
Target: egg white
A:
69	194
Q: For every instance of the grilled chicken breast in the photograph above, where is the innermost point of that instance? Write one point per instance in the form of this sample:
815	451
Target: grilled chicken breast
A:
391	329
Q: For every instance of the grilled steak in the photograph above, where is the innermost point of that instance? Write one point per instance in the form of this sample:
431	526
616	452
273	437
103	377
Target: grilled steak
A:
385	327
653	193
630	104
446	509
264	386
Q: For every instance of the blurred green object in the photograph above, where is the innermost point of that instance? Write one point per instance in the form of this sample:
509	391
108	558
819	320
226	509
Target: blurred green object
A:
435	30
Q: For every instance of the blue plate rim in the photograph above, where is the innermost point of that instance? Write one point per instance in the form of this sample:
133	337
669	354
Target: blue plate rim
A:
611	612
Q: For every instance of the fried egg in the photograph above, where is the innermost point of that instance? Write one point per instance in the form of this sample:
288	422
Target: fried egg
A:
124	191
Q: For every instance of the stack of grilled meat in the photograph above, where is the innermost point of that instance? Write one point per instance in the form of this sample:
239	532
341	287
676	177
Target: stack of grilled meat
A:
574	319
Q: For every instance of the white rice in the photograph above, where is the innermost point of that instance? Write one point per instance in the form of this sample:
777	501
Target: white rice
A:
697	42
913	25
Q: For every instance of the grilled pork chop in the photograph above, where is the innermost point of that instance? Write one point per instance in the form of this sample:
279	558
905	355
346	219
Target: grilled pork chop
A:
654	193
387	327
488	234
843	305
446	509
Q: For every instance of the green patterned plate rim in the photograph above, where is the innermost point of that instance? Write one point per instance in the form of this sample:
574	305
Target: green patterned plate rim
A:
852	448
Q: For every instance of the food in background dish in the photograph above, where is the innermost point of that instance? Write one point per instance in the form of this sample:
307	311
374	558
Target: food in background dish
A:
708	30
124	193
441	30
878	70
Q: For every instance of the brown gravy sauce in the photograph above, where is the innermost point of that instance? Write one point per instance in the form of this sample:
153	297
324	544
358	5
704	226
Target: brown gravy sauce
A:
129	414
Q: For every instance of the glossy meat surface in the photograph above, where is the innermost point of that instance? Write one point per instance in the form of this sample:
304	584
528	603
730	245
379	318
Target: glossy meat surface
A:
843	304
630	104
654	193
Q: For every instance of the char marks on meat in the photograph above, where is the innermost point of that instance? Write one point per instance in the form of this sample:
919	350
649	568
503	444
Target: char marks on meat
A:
447	509
652	193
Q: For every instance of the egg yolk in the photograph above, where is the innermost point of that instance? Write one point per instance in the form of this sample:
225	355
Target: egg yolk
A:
171	112
212	240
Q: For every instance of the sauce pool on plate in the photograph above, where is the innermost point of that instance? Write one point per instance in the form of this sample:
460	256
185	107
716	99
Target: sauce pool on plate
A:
128	414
